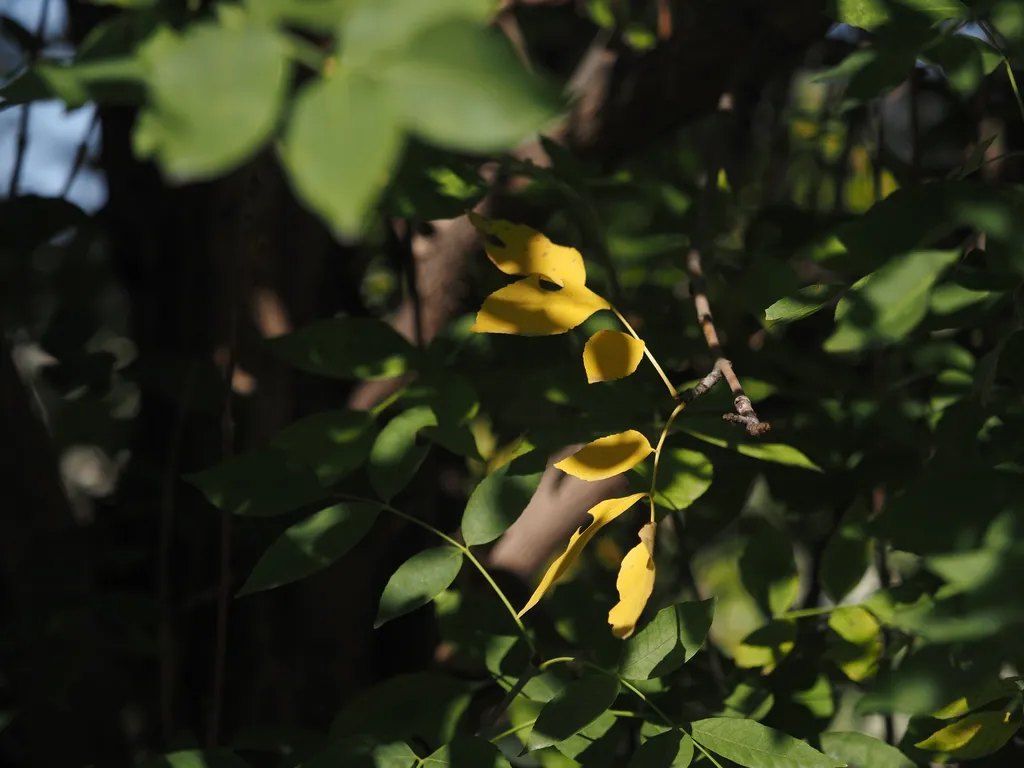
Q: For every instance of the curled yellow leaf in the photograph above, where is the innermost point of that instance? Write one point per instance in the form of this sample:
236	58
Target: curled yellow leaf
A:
602	514
526	308
607	457
611	355
516	249
635	584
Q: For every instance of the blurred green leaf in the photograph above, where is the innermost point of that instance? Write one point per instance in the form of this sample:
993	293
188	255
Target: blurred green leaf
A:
217	758
804	303
215	93
312	545
466	751
847	555
461	86
417	581
774	452
343	139
888	304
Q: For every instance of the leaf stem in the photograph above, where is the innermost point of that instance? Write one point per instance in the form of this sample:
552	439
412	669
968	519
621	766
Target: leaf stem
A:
680	407
468	555
647	352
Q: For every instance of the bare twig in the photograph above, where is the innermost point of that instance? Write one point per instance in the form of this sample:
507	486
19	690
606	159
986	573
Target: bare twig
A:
80	155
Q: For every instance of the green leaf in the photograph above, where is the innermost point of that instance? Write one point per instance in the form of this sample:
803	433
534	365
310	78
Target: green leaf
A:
332	443
753	745
773	452
424	705
924	682
965	60
382	27
889	303
594	742
466	751
984	693
683	477
312	545
343	140
260	483
870	14
320	15
346	348
803	303
395	456
215	94
766	646
461	86
364	752
574	708
748	702
858	750
857	644
669	640
217	758
768	567
847	555
977	735
495	504
417	581
672	749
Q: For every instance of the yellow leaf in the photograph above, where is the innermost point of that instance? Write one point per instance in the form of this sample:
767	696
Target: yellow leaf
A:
611	355
976	735
525	251
602	514
525	308
635	584
607	457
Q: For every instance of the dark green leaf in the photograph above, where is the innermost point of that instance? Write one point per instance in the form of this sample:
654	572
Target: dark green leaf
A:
322	15
803	303
381	28
847	556
748	702
923	683
668	640
461	86
312	545
215	93
346	348
342	142
672	749
773	452
965	61
395	456
426	705
573	709
332	443
364	752
417	581
753	745
495	504
889	303
219	758
467	752
595	744
260	483
858	750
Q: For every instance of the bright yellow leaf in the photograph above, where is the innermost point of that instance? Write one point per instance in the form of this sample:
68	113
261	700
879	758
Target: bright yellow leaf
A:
635	584
602	514
525	251
976	735
611	355
525	308
607	457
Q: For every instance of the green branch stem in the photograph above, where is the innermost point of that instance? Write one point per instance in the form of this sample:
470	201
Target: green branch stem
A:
466	553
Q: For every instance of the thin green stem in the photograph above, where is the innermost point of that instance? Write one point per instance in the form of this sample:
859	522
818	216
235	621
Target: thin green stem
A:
467	554
543	667
512	731
647	352
1013	85
657	452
